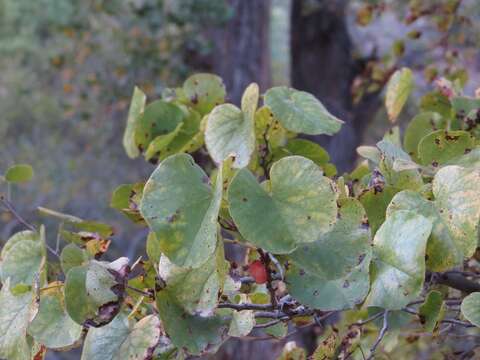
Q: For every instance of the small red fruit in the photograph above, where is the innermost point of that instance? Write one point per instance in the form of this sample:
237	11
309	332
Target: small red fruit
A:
258	272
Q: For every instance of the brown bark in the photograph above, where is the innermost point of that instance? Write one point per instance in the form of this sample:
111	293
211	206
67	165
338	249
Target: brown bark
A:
241	53
323	64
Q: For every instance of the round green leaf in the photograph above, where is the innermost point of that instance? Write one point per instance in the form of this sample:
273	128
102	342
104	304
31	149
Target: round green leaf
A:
19	173
328	295
308	149
420	126
181	208
301	112
300	206
158	118
398	89
398	266
204	92
335	253
123	339
15	314
22	258
72	256
52	326
230	131
441	146
457	196
137	106
471	308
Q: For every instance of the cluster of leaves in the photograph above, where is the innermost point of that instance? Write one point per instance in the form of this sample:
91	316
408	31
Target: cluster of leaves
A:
374	243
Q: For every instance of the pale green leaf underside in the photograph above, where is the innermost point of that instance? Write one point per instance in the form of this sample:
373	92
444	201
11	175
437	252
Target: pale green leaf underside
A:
123	339
300	206
471	308
398	89
22	258
52	326
15	313
181	208
301	112
230	131
137	106
457	196
398	269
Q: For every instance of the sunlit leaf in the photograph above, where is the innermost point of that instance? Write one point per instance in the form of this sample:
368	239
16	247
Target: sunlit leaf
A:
22	258
230	131
19	173
398	89
398	269
137	106
301	112
15	314
441	146
204	92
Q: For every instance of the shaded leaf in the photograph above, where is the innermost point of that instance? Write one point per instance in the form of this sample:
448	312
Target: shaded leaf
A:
375	204
430	310
301	112
420	126
123	339
181	208
72	256
300	205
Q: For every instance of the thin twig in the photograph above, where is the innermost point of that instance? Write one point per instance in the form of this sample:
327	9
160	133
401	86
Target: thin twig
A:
267	324
8	205
241	307
381	335
371	318
144	293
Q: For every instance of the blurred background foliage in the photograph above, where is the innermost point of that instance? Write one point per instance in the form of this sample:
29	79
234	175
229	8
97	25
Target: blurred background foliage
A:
68	68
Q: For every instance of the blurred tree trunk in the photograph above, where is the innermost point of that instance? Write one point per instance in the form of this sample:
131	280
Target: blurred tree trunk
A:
241	52
323	64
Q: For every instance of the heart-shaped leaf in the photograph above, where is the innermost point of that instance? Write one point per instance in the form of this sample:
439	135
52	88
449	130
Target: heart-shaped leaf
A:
299	205
181	208
335	253
398	269
230	131
301	112
52	326
122	339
